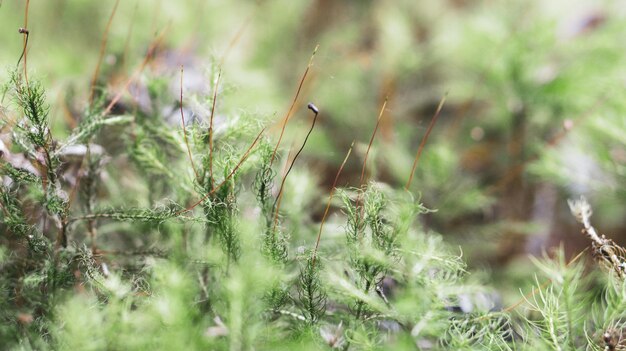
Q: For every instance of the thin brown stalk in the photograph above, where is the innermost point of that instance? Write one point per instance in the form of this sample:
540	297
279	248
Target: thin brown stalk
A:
25	48
330	197
424	139
286	167
182	118
231	44
369	146
230	175
137	71
155	16
128	37
215	88
26	34
293	103
234	40
103	45
282	183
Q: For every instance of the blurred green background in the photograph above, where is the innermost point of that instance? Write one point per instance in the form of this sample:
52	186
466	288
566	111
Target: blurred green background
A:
535	111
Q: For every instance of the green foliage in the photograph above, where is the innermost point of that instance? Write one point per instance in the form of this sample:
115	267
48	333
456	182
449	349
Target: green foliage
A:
220	213
32	101
12	215
263	182
217	279
18	175
124	230
312	296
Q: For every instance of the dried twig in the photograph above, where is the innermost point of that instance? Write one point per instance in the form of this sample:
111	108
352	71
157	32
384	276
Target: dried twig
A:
103	46
217	83
330	197
138	70
25	49
369	146
424	139
605	251
293	103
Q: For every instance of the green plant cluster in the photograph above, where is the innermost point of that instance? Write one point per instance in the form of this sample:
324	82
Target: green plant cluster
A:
178	221
204	260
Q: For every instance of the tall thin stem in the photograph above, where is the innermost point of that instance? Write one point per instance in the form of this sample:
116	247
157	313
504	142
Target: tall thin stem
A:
330	197
282	183
423	142
103	46
293	103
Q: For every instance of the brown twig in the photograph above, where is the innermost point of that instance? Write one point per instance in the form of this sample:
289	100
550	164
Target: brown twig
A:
26	34
25	52
330	197
279	197
606	252
369	146
217	83
128	37
235	39
424	139
293	103
286	167
137	71
24	30
155	16
182	117
103	44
